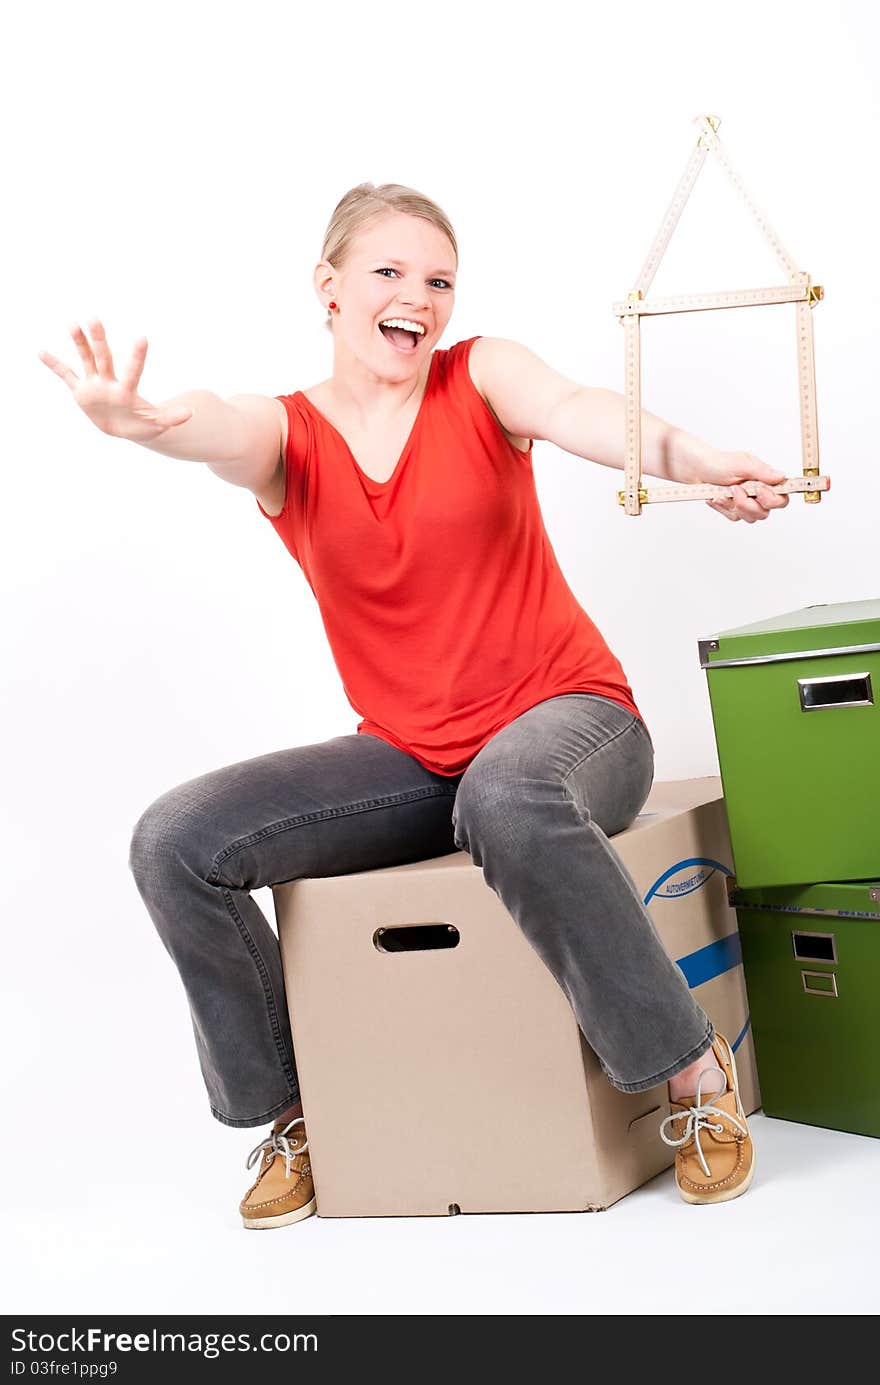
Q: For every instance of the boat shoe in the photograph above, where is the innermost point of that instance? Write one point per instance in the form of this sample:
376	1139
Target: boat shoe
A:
714	1156
284	1191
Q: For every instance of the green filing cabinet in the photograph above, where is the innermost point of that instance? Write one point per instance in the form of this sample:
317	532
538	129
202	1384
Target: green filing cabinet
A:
811	958
797	727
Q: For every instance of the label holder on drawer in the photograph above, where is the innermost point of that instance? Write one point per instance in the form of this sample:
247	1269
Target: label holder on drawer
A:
813	988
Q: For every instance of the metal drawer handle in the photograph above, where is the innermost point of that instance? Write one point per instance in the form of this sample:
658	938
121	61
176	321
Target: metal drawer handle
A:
843	690
815	947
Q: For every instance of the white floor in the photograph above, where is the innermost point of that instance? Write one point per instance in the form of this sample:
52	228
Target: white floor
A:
121	1190
125	1223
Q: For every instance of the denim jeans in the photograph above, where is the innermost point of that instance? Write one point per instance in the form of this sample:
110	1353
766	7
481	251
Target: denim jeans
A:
535	809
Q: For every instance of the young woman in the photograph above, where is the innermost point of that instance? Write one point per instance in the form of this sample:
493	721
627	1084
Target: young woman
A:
495	718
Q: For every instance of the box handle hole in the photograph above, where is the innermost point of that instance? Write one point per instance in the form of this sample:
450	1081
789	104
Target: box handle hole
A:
416	937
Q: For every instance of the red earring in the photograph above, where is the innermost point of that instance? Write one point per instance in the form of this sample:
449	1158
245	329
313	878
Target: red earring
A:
332	306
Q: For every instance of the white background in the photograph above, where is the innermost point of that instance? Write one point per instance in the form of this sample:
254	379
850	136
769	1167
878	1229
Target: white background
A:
171	169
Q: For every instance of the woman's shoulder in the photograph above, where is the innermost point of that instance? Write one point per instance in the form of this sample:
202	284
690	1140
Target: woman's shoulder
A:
292	448
470	362
453	364
473	356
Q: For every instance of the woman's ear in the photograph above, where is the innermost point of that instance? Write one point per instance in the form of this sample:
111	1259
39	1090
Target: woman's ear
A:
323	280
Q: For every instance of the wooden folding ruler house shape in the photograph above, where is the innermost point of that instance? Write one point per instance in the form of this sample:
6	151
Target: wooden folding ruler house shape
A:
799	291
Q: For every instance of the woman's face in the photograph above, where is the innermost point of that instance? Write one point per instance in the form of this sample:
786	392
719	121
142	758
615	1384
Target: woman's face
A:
401	267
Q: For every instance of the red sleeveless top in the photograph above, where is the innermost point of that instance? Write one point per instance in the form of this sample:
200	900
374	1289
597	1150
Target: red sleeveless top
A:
445	608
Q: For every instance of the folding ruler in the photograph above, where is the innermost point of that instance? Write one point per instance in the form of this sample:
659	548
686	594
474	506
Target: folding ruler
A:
799	291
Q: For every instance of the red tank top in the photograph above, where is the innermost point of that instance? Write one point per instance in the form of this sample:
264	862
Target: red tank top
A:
445	608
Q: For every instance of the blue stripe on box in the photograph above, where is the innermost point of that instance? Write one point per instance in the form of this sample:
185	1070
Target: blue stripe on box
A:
742	1034
711	961
716	958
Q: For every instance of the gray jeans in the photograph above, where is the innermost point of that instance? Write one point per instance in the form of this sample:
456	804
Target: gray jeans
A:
534	809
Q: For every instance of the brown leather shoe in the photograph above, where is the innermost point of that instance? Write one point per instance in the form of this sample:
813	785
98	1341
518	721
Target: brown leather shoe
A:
284	1191
715	1158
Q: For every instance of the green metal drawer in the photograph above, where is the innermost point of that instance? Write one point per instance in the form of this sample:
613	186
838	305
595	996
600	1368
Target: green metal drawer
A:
797	726
811	959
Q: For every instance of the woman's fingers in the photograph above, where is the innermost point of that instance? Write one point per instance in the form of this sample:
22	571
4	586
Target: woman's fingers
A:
758	507
70	378
748	509
101	349
130	378
723	507
772	499
98	359
740	505
85	351
114	406
720	468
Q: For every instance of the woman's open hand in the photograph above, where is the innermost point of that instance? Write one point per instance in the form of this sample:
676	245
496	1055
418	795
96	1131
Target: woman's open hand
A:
731	468
113	405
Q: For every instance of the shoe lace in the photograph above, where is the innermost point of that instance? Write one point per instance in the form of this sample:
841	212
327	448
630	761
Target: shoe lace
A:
699	1118
278	1143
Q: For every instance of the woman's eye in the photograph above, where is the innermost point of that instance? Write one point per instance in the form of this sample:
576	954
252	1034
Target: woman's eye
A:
387	269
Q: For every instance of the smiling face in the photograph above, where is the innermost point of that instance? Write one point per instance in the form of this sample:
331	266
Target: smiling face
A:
400	268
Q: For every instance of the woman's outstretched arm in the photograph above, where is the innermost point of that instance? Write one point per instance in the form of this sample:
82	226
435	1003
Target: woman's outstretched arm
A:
532	400
241	441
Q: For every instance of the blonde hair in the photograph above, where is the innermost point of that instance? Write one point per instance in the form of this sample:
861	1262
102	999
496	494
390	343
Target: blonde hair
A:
366	203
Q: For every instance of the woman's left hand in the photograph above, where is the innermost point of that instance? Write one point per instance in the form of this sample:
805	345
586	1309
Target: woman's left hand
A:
731	468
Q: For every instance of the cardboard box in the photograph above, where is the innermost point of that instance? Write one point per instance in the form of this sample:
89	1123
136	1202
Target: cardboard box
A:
455	1078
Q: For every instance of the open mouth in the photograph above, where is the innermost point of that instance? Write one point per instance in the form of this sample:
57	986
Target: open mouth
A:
401	338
